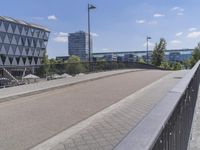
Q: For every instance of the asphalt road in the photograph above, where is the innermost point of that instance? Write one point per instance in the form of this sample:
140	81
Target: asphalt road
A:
28	121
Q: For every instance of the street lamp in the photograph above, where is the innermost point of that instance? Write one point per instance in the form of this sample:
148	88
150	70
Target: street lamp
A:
90	7
148	38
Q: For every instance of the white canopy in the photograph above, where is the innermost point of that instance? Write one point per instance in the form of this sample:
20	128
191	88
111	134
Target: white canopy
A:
56	76
31	76
65	75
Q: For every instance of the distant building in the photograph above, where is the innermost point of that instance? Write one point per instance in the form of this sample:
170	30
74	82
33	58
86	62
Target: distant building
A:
62	58
79	46
177	55
22	44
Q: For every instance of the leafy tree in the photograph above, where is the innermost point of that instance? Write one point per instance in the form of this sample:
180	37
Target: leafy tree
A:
74	66
158	53
52	69
44	68
165	65
141	60
195	55
177	66
187	64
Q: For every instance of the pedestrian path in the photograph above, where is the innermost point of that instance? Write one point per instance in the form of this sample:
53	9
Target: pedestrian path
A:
104	130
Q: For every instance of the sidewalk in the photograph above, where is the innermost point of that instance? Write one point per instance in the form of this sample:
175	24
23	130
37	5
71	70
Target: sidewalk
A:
35	88
106	129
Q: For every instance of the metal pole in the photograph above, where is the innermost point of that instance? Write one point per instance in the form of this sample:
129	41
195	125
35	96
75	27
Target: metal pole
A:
89	48
147	50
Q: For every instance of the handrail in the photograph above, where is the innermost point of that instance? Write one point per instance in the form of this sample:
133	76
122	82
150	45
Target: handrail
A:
148	132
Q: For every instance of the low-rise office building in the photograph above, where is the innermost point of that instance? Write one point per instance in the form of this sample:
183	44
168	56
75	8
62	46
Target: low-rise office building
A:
22	44
177	55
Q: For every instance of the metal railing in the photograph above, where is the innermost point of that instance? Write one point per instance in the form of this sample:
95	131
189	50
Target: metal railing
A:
168	125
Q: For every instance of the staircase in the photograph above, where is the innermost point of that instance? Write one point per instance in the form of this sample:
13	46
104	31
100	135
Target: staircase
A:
10	76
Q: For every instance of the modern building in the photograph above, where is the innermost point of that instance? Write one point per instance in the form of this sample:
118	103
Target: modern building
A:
78	45
176	55
62	58
22	44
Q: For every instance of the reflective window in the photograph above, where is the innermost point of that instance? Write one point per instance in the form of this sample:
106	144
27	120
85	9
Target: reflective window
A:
2	36
6	24
20	27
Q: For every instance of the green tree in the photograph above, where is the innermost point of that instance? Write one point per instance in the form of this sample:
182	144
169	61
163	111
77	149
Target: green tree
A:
43	71
158	53
187	64
195	55
177	66
52	68
165	65
141	60
74	65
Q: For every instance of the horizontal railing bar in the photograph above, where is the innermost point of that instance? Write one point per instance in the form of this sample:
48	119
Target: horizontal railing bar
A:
145	135
183	84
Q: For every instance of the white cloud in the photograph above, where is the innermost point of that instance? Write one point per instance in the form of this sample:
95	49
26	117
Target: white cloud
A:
179	14
94	34
61	37
150	44
157	15
52	17
194	35
192	29
153	22
61	34
175	42
140	21
179	33
177	9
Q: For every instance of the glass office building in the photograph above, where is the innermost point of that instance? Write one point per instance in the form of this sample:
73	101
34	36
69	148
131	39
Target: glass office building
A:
78	45
176	55
22	44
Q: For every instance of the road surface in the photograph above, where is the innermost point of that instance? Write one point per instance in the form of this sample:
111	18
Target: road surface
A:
28	121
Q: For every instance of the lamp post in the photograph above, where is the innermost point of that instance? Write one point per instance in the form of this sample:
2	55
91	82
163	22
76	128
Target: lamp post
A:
148	38
90	7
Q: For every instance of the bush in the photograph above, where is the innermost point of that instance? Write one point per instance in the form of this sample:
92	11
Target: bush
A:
177	66
165	65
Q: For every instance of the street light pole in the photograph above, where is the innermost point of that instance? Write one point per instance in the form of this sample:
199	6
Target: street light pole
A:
89	42
148	38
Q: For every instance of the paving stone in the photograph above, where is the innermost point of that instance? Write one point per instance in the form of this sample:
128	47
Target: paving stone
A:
59	147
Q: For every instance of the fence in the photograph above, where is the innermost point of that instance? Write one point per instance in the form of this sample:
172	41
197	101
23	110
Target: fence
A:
85	67
168	125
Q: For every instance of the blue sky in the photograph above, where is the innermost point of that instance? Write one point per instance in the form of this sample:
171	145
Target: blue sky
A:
117	25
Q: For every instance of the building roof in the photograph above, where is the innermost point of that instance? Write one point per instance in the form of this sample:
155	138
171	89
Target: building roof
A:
18	21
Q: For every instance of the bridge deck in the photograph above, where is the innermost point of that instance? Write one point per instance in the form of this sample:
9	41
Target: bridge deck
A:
108	127
27	121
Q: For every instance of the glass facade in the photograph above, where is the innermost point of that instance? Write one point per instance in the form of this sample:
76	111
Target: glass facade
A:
21	44
78	45
178	55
